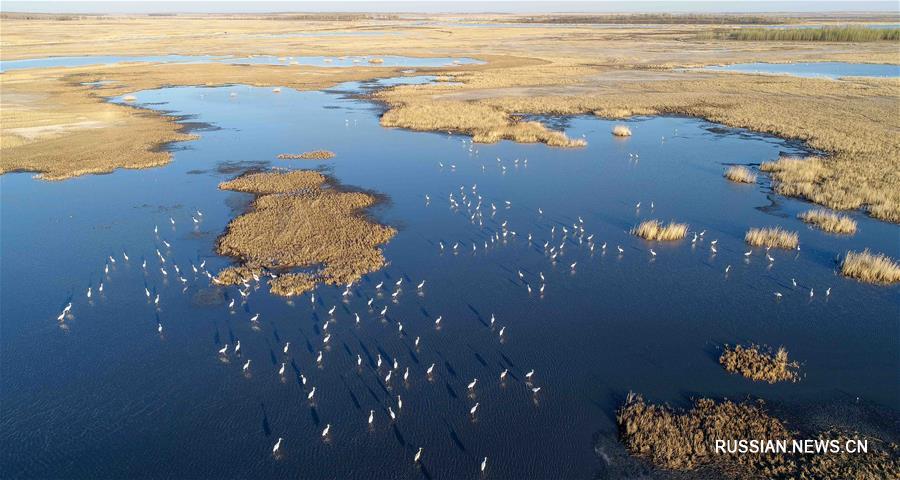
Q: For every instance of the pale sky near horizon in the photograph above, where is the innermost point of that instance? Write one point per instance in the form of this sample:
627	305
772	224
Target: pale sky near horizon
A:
438	6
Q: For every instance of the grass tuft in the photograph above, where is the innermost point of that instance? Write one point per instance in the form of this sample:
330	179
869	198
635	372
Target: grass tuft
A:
313	155
621	131
829	221
870	267
772	237
759	365
655	230
740	174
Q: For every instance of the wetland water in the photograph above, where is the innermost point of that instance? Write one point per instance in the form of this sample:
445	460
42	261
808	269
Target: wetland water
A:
814	69
318	61
108	397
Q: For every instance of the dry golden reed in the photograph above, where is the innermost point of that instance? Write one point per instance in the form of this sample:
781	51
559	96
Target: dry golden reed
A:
237	275
621	131
655	230
313	155
297	221
772	237
740	174
760	364
685	440
870	267
291	284
829	221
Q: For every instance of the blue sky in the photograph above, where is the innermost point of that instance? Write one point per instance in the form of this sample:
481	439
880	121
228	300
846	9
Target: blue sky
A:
509	6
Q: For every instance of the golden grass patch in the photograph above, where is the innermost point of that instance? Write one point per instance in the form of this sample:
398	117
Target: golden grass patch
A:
773	237
313	155
621	131
237	275
829	221
291	284
759	364
870	267
740	174
297	221
684	440
655	230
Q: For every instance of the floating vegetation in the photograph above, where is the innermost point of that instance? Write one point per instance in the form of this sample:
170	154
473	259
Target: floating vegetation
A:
621	131
759	364
297	221
685	440
376	60
655	230
313	155
772	237
870	267
740	174
829	221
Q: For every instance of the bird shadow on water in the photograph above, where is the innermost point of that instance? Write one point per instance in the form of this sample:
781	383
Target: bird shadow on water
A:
267	430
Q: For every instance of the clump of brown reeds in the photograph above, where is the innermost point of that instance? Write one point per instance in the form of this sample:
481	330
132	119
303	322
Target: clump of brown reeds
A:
129	98
621	131
291	284
685	440
829	221
740	174
772	237
313	155
655	230
237	275
376	60
297	221
759	364
870	267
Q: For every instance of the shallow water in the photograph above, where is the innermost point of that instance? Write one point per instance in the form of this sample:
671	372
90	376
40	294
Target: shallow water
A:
318	61
107	397
814	69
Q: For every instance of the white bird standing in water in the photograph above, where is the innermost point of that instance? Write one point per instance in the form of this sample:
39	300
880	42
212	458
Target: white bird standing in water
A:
246	365
419	286
371	417
474	409
331	312
281	370
311	394
502	331
484	464
286	347
327	429
237	348
224	350
384	310
437	322
319	358
89	292
392	414
430	370
472	384
358	360
254	318
418	455
529	375
503	374
277	446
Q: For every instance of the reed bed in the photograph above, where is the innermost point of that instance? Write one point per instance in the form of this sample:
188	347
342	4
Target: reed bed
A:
829	221
871	267
486	124
238	274
297	221
740	174
376	60
760	364
655	230
291	284
685	441
825	34
772	237
621	131
313	155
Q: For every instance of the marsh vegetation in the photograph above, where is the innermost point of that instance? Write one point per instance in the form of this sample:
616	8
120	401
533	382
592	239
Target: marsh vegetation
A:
740	174
825	34
829	221
760	364
656	230
870	267
774	237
